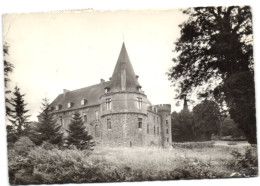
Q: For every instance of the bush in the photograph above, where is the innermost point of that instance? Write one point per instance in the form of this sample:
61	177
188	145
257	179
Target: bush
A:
48	146
23	145
244	164
192	145
232	143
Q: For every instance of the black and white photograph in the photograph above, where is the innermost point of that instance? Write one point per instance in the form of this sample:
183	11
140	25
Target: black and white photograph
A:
129	95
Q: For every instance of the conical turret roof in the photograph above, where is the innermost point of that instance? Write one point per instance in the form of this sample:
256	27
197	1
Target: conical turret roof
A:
124	77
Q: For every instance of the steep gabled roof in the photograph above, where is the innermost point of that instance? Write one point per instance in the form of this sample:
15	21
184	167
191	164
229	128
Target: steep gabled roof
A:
91	94
124	72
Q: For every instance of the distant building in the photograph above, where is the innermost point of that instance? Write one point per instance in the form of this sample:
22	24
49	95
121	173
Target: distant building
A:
117	112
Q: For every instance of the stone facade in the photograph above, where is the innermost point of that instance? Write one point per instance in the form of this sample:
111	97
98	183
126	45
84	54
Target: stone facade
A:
117	112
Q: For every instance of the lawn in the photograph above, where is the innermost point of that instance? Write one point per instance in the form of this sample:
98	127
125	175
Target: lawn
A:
182	161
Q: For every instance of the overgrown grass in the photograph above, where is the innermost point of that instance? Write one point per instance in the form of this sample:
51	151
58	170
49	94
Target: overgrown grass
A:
41	165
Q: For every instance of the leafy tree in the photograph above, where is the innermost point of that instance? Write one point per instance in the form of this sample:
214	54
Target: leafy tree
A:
18	113
47	129
8	68
240	97
77	134
206	120
230	128
182	126
216	46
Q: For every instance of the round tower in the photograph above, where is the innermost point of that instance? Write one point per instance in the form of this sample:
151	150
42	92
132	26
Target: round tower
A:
123	106
165	112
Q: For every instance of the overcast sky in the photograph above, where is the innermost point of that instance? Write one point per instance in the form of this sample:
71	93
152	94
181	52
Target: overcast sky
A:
75	49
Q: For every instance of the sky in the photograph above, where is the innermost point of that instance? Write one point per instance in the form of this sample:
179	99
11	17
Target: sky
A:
74	49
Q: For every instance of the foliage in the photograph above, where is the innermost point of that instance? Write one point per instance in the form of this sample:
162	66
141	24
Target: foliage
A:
239	92
47	129
77	134
23	145
244	164
43	166
214	49
206	120
8	68
18	113
11	135
182	126
230	128
194	145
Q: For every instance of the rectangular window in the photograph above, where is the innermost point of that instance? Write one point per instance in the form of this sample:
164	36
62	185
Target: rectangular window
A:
109	124
139	103
158	131
154	130
83	102
167	131
157	119
147	129
140	120
167	124
167	139
61	121
96	113
85	118
154	119
69	105
108	103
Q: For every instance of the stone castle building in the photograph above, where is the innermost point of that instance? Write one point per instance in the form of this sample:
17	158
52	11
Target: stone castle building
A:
117	112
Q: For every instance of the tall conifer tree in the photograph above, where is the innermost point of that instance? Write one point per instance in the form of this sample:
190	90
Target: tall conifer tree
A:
8	68
18	113
47	129
77	134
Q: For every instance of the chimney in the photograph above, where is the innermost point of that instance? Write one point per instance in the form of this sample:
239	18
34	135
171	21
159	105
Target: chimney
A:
65	91
102	81
137	76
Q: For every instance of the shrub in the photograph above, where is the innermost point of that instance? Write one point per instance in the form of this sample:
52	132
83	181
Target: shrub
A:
23	145
232	143
48	146
192	145
244	164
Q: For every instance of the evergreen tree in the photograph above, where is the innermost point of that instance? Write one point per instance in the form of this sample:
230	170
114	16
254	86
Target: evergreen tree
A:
77	134
47	129
18	113
8	68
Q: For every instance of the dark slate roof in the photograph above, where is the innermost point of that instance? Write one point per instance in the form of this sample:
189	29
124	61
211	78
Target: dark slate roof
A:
132	83
91	94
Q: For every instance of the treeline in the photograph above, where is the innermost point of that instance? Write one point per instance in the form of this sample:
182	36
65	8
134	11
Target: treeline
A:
205	122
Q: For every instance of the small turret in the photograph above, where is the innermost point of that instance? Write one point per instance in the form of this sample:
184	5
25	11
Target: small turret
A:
165	112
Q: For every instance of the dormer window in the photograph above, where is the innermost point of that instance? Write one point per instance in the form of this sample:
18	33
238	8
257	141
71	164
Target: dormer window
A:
69	104
50	108
58	107
83	102
106	90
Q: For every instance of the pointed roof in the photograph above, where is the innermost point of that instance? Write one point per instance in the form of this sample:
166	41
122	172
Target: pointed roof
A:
185	104
124	74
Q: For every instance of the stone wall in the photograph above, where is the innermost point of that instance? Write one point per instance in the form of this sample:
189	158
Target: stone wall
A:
124	130
154	133
92	124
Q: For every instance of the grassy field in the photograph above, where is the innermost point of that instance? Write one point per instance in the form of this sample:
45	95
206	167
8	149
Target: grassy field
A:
182	161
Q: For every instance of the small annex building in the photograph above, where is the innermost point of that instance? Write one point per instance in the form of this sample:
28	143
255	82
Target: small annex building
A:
117	112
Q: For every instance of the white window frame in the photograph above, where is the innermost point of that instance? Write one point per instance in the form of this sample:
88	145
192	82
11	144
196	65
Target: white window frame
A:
139	102
108	103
